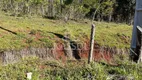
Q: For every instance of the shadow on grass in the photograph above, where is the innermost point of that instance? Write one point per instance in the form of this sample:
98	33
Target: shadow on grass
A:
13	33
8	30
73	45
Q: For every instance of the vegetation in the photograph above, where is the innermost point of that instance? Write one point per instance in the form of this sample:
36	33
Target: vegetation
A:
107	10
55	70
30	27
37	32
44	23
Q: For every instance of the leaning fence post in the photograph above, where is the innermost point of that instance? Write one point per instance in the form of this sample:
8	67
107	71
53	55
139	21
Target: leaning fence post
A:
90	57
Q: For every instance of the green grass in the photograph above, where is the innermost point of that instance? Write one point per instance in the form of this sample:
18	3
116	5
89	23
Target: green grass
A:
27	29
55	70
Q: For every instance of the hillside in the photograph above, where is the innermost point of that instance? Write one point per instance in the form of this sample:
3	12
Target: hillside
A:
54	40
22	32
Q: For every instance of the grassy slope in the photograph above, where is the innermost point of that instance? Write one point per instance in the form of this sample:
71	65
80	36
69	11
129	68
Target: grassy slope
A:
34	32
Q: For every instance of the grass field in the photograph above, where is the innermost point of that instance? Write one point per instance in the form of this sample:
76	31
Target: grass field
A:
20	32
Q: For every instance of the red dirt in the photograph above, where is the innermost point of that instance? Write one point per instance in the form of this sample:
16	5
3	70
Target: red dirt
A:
60	52
99	55
38	36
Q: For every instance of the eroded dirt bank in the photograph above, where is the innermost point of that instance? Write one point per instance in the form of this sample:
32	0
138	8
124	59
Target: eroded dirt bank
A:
61	52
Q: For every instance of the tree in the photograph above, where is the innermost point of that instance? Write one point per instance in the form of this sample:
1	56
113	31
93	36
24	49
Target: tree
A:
124	11
105	10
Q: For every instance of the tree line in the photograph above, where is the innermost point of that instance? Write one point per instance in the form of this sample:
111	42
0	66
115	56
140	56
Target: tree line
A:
101	10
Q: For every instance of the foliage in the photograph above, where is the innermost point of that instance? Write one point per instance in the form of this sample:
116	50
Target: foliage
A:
108	10
125	9
47	70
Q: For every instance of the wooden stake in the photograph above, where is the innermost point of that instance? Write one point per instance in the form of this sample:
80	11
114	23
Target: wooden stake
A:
90	57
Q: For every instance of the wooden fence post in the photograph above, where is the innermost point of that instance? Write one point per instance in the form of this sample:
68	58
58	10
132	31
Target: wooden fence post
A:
90	57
